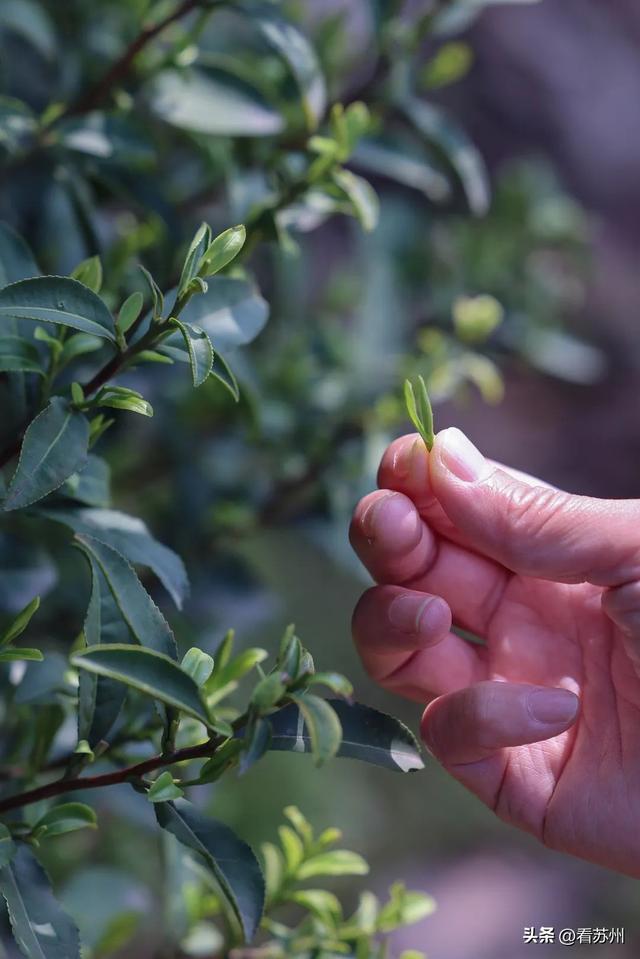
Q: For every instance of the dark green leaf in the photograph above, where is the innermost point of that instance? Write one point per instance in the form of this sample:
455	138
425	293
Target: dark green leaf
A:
31	21
367	735
18	355
7	846
223	372
231	860
298	53
129	536
321	724
40	927
60	300
17	124
54	447
65	818
16	259
443	133
147	671
232	312
200	351
141	614
20	623
215	102
100	699
257	739
91	485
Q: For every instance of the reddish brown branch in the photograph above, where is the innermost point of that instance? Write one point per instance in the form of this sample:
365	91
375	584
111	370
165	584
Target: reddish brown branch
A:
129	773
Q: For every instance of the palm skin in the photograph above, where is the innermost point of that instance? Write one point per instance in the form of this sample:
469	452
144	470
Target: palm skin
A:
574	783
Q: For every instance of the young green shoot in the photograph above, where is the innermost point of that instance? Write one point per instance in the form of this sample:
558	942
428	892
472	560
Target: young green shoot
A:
419	410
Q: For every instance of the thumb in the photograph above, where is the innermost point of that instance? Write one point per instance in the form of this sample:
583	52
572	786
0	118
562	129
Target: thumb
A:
534	530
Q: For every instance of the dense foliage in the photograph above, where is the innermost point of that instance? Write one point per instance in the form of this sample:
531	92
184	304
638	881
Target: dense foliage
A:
113	150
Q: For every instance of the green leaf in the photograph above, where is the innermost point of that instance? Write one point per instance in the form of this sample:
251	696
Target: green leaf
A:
194	257
297	52
91	485
320	903
100	699
30	20
40	927
16	259
89	273
225	375
231	860
361	195
65	818
198	664
200	351
147	671
156	293
129	536
292	847
451	62
213	102
123	398
334	681
404	908
54	447
78	345
301	825
256	743
18	355
419	410
20	623
223	250
443	133
231	312
367	734
337	862
322	725
225	676
59	300
17	124
130	311
268	692
15	655
7	846
141	614
164	788
396	161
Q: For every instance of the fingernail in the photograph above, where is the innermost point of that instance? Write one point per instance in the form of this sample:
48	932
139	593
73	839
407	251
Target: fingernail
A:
370	515
409	459
409	614
461	457
553	705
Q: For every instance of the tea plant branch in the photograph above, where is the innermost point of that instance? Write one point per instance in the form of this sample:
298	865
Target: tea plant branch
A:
95	96
129	773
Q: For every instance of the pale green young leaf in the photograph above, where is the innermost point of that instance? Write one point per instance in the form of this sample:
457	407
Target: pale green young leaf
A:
222	250
273	868
194	258
54	447
157	296
60	300
89	273
361	195
164	789
130	311
64	818
268	692
404	908
334	681
320	903
337	862
322	725
231	860
130	402
292	847
198	664
148	671
15	655
419	410
20	623
300	824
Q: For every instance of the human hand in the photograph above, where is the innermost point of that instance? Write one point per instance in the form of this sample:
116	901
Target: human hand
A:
542	721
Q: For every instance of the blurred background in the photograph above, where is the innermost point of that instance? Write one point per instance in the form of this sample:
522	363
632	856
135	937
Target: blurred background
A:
504	267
